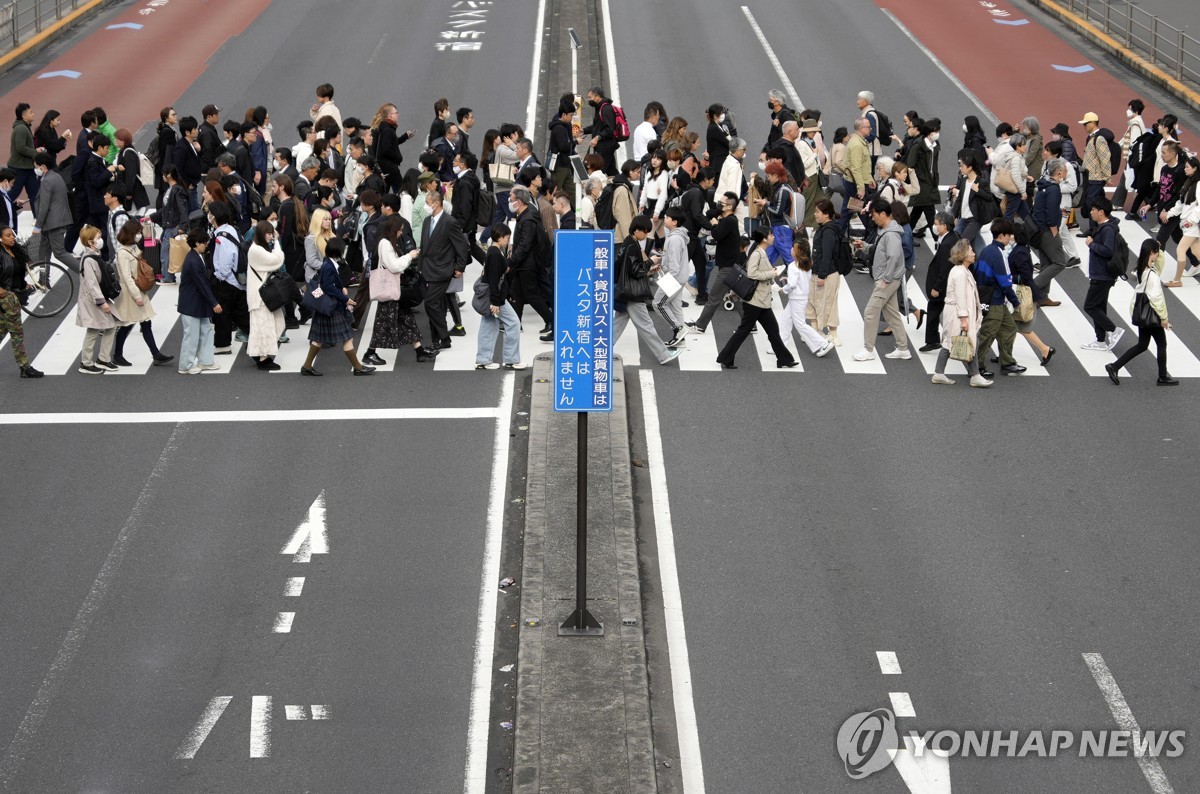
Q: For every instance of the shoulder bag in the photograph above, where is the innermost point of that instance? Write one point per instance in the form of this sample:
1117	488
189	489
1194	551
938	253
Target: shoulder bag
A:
143	275
317	301
385	285
740	282
1026	308
278	289
482	300
1144	315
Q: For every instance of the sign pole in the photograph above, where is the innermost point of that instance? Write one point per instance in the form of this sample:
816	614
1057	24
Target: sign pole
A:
581	623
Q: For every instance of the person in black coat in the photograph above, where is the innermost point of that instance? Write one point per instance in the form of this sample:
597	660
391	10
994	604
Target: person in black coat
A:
197	305
96	177
130	172
166	145
186	159
562	146
466	200
603	129
500	314
444	256
387	139
211	142
935	278
525	257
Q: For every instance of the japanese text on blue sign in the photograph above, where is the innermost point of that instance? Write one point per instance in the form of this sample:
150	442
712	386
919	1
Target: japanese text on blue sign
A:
583	314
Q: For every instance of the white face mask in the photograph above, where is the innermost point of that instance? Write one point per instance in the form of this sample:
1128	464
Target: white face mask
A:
721	119
360	170
512	207
933	136
1008	249
138	237
459	171
1128	113
964	128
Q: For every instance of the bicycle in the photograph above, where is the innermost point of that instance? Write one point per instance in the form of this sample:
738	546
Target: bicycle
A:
49	286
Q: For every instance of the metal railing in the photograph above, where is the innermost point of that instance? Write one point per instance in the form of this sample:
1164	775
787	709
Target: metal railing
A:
23	19
1165	46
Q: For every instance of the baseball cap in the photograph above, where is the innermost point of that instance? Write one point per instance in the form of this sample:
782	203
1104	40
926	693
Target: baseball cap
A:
1089	117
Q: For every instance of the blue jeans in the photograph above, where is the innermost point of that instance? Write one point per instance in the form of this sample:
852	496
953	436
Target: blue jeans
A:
782	249
489	326
164	254
197	347
968	229
26	180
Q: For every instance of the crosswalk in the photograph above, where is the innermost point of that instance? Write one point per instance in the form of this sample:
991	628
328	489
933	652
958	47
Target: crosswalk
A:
1066	327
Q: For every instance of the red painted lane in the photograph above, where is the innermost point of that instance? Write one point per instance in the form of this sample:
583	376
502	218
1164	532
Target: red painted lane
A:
133	74
1011	68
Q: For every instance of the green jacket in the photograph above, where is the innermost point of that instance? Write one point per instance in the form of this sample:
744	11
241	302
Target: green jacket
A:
109	131
23	150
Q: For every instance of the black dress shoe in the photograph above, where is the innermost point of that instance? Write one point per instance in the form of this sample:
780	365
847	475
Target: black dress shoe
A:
547	328
443	344
927	348
311	371
425	354
1167	381
372	358
1012	369
727	366
462	303
161	359
1049	353
786	364
1112	374
547	337
884	332
364	371
121	362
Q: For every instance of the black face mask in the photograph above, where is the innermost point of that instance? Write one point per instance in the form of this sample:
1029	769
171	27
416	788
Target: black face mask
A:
594	103
771	106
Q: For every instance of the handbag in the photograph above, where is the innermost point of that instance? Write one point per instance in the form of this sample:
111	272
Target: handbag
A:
178	252
1004	179
668	284
635	287
412	287
385	285
316	301
502	174
1026	308
143	277
961	348
740	282
278	289
835	183
482	301
1144	315
855	205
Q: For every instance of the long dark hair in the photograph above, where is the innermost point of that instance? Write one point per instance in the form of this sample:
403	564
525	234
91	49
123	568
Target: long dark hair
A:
394	230
974	131
1187	194
489	145
1149	251
43	127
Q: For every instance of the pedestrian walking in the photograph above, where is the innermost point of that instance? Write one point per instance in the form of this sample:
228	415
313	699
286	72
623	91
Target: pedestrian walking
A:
1150	327
758	308
797	290
962	315
13	261
267	326
333	329
822	309
133	305
94	311
888	270
197	305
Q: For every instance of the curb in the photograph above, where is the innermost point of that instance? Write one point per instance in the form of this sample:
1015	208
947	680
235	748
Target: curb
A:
50	33
1131	59
555	741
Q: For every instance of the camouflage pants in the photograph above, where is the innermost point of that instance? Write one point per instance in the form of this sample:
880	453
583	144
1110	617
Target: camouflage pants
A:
10	323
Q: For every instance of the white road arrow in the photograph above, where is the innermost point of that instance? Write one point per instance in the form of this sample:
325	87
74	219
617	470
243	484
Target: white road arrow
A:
924	770
312	536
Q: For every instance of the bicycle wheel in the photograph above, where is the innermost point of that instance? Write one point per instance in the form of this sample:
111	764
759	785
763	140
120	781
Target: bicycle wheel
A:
51	289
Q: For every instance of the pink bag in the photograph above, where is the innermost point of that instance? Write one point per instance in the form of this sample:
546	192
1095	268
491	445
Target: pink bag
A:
385	285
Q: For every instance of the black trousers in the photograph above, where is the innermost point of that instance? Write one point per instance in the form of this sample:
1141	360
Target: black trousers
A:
764	317
1145	334
607	148
123	334
435	310
233	312
1095	305
915	213
699	262
933	323
526	290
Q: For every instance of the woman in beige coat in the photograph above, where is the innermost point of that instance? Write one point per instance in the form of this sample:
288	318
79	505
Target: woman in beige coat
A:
94	312
758	308
266	326
133	305
961	315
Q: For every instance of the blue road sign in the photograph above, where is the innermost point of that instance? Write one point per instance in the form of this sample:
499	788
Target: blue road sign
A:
583	315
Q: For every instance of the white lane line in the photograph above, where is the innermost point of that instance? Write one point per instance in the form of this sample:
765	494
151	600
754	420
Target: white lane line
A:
937	62
35	300
260	726
475	776
531	108
311	536
766	356
850	331
294	586
165	301
1121	712
1189	294
194	417
774	59
27	731
61	352
888	663
283	622
321	712
614	89
699	353
212	712
691	766
902	704
295	712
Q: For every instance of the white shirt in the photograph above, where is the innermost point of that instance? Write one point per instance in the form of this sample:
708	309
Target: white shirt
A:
642	135
300	152
964	212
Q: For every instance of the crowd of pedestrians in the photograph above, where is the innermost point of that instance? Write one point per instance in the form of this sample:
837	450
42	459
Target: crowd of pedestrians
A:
262	235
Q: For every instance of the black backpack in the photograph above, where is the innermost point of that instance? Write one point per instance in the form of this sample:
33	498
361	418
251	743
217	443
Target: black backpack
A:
485	209
243	250
1137	151
1118	266
110	285
1114	149
843	256
883	130
605	219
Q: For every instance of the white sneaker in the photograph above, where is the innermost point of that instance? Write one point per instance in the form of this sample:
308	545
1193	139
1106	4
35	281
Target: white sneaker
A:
671	356
695	329
825	348
488	365
210	367
864	355
1113	337
1098	346
900	353
1192	271
517	366
980	382
194	370
942	380
833	337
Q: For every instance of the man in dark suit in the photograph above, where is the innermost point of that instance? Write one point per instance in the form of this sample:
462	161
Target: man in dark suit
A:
466	200
447	147
444	255
211	144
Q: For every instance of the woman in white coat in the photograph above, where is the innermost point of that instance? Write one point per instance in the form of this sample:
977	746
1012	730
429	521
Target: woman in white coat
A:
732	179
94	312
961	315
799	274
133	305
266	326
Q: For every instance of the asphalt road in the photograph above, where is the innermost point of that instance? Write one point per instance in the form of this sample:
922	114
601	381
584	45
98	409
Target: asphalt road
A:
988	539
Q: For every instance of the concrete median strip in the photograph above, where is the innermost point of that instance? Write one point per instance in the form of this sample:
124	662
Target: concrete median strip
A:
583	703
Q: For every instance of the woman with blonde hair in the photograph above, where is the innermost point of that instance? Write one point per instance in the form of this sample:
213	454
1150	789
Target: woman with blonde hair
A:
387	139
320	230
